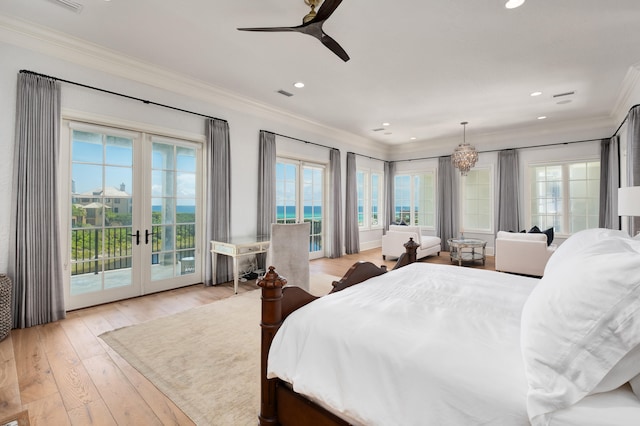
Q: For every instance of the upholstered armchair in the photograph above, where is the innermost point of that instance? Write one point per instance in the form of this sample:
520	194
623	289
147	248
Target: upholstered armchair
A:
397	235
522	253
289	252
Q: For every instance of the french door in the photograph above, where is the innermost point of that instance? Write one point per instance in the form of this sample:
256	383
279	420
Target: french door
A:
300	192
133	212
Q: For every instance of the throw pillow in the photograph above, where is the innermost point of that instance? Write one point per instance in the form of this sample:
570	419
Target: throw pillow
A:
548	232
550	235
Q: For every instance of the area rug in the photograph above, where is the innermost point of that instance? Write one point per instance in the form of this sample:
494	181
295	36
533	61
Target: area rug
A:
207	359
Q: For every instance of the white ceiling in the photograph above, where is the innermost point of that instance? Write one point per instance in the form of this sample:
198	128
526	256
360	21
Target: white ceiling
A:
423	66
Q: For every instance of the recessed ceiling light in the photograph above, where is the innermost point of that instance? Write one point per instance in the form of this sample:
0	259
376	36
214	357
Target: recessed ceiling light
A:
386	124
512	4
413	138
536	93
542	117
298	84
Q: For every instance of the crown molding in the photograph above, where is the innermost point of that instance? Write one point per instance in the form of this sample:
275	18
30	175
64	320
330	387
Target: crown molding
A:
89	55
550	133
630	86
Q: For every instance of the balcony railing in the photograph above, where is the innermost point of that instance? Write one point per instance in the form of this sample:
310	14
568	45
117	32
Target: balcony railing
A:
94	250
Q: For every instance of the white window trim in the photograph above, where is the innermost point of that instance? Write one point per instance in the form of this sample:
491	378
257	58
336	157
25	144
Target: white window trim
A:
492	202
368	172
412	174
565	183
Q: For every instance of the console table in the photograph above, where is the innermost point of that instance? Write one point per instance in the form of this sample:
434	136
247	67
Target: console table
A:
467	250
237	247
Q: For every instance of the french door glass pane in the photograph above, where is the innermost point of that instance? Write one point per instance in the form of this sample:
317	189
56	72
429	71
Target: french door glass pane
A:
101	211
286	192
312	202
173	210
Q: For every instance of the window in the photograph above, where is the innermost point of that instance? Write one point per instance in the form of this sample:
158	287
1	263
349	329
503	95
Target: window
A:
414	199
300	198
477	200
369	188
565	196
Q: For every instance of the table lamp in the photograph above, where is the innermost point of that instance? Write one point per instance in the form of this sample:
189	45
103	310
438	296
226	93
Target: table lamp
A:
629	201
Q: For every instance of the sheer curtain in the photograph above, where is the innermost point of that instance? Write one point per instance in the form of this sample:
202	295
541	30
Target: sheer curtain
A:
633	159
609	183
335	209
266	187
389	173
218	203
34	249
448	215
352	237
508	190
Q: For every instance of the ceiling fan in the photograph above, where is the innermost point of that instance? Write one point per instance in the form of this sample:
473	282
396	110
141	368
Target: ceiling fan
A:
312	25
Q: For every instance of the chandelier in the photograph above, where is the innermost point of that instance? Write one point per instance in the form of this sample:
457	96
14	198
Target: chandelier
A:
465	156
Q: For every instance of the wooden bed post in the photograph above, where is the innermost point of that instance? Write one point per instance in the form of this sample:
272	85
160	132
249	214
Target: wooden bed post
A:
410	254
271	284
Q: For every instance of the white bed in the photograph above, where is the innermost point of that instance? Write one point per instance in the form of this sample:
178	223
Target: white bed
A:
442	345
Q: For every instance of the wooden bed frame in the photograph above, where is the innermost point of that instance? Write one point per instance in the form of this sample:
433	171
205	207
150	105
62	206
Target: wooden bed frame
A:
279	404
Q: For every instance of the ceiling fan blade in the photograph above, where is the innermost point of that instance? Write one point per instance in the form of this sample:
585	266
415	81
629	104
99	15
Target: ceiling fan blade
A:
326	9
334	47
270	29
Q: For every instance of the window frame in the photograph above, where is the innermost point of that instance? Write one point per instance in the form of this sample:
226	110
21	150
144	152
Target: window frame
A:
367	198
566	216
413	174
465	227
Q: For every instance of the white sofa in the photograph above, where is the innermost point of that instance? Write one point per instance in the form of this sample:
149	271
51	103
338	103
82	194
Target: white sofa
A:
522	253
397	235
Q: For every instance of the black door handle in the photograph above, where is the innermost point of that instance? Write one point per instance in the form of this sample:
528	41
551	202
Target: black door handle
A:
146	236
137	235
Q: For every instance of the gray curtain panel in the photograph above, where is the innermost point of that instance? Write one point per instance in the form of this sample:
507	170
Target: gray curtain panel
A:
352	233
335	210
389	174
448	216
34	249
633	159
508	190
218	203
609	183
266	187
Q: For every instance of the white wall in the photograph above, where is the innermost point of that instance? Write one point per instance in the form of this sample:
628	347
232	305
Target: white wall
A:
245	122
90	66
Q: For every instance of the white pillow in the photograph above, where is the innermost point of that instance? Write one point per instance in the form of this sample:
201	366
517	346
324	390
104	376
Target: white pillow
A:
621	373
581	320
581	241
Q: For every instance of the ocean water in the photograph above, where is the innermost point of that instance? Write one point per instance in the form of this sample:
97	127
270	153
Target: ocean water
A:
309	212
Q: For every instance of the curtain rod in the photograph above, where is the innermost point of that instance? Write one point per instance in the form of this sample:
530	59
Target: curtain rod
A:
145	101
506	149
366	156
296	139
625	119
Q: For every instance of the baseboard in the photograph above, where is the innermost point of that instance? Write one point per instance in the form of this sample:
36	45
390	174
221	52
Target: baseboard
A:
370	245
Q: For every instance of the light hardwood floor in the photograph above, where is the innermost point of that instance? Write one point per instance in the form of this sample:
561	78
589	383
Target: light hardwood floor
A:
63	374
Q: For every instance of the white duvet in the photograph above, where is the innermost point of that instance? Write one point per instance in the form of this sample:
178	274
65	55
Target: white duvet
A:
422	345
